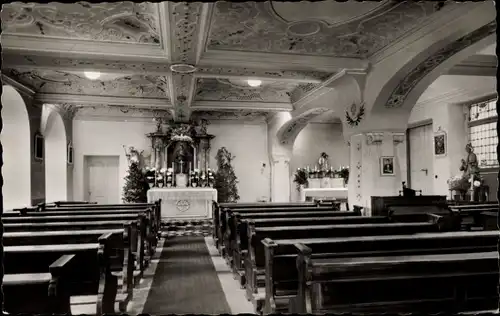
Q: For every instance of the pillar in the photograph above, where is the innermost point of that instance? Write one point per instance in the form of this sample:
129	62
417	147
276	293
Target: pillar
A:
366	178
279	157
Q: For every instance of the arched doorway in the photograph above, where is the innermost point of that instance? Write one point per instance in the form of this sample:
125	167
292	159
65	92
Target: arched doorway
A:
56	170
15	138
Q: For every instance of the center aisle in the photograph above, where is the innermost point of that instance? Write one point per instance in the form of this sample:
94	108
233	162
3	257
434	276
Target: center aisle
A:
185	281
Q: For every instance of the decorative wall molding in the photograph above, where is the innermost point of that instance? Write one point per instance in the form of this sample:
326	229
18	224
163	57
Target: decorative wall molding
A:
231	105
6	80
398	138
102	100
281	75
374	138
412	78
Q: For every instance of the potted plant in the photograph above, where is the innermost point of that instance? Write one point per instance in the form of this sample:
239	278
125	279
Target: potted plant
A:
150	176
344	174
210	178
301	178
460	185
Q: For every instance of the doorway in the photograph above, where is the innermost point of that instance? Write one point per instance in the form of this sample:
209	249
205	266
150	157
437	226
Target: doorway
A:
101	179
421	163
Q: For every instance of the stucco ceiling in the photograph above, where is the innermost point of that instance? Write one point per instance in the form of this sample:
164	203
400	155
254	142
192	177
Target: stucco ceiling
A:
293	48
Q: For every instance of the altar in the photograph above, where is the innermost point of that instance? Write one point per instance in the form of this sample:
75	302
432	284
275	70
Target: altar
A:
184	203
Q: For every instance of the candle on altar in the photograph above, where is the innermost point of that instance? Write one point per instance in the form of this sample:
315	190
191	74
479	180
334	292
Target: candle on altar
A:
190	167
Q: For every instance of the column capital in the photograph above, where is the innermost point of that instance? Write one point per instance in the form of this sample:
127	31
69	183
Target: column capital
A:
374	138
398	138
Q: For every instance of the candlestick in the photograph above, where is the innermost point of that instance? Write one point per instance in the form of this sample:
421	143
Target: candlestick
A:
190	167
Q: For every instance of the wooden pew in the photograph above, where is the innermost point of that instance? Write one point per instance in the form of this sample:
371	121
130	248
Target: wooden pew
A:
449	283
234	218
217	209
281	283
476	217
225	216
238	242
89	271
142	258
254	261
156	206
146	216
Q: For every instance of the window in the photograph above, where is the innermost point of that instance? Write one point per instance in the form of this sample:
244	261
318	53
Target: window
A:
483	132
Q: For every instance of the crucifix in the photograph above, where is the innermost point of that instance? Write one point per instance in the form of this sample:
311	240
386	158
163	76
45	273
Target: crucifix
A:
181	163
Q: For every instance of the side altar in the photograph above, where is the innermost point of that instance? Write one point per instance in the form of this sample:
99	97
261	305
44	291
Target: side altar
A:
178	171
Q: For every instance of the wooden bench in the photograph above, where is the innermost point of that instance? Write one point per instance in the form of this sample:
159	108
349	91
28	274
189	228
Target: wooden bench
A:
398	284
217	209
225	216
477	217
281	275
87	269
78	214
141	252
235	218
255	257
239	240
156	207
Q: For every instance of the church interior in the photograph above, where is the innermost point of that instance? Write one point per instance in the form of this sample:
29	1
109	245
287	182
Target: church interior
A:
249	157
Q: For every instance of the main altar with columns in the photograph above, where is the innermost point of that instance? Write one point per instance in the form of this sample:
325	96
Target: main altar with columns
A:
179	173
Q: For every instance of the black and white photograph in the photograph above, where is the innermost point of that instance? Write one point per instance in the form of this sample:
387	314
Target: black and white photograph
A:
387	166
249	157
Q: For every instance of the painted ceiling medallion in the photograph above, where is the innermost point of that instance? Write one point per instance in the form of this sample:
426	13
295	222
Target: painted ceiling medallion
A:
183	68
304	28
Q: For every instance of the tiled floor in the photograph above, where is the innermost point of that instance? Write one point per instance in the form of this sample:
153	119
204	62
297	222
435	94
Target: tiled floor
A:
235	296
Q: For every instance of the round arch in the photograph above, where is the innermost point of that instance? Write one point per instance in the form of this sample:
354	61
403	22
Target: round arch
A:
402	92
56	171
16	142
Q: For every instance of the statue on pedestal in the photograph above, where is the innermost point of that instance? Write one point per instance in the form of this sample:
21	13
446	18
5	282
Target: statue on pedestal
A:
469	165
323	162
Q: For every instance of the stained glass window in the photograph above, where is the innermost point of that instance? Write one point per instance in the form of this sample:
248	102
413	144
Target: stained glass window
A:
483	132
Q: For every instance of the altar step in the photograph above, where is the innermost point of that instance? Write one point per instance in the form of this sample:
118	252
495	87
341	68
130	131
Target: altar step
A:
186	227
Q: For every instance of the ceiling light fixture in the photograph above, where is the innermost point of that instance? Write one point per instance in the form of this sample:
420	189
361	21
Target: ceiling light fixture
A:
254	83
92	75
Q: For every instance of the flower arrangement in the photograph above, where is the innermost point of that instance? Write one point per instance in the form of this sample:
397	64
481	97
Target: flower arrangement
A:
150	174
160	177
459	183
169	177
210	178
344	173
301	178
195	177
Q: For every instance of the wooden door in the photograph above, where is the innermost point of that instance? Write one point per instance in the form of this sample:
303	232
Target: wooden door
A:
421	159
102	179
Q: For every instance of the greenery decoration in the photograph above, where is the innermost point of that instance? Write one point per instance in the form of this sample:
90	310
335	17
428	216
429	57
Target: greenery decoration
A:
225	181
136	187
301	178
356	118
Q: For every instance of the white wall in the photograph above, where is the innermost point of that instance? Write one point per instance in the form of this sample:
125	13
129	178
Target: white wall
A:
248	142
451	119
15	138
314	139
56	186
102	138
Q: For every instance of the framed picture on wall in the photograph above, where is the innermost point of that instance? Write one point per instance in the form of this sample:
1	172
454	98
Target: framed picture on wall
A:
70	153
39	146
387	166
440	143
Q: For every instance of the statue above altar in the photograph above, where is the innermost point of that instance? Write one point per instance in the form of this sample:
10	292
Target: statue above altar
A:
183	149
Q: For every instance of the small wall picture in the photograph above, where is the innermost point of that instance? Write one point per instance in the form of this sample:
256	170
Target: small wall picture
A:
39	146
387	166
70	154
440	143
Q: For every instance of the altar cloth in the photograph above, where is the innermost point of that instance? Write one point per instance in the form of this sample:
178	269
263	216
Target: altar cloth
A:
326	193
184	203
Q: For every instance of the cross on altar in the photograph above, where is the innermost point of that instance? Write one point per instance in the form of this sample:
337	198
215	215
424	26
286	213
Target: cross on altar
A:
181	163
